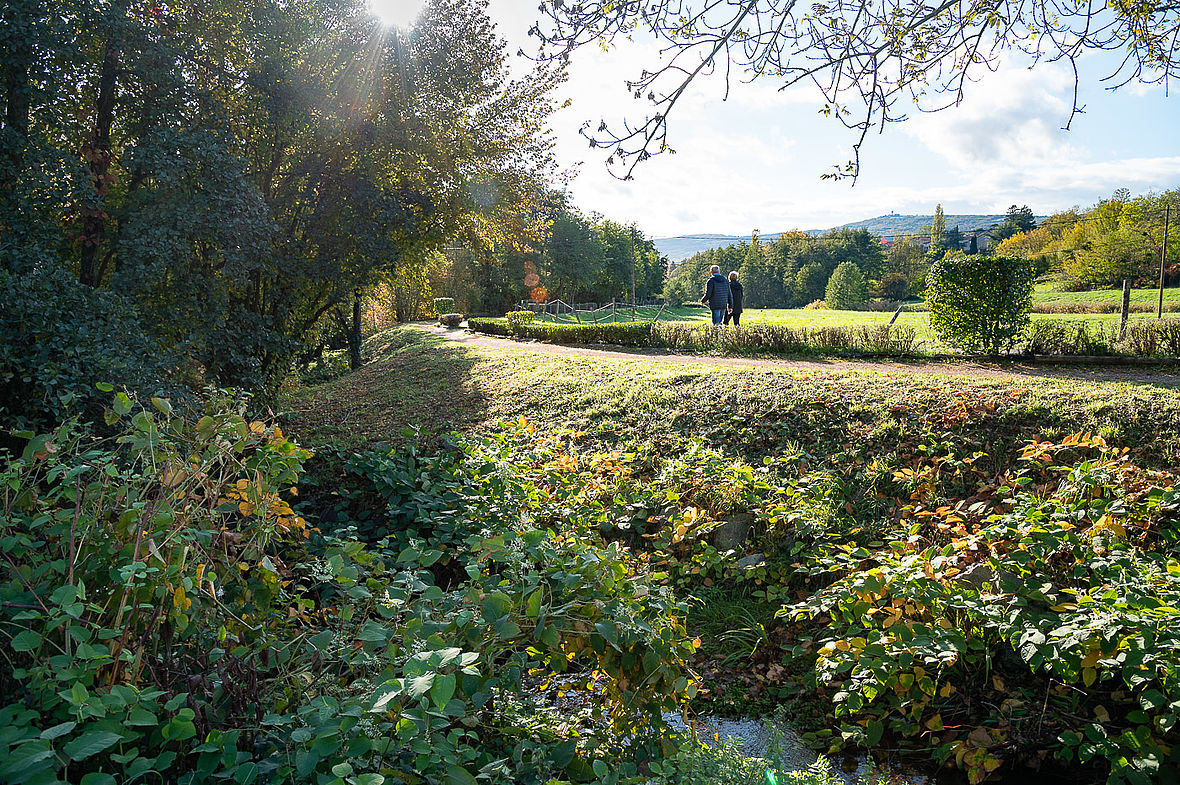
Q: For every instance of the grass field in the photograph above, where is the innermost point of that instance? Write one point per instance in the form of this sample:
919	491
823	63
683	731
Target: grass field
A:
415	378
822	317
1048	293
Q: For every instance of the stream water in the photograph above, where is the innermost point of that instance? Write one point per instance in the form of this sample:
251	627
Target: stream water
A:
772	741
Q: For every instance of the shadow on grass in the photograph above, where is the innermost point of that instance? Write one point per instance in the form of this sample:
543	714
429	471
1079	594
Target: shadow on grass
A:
411	378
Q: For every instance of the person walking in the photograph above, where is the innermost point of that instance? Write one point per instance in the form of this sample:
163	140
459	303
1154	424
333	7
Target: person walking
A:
717	295
735	299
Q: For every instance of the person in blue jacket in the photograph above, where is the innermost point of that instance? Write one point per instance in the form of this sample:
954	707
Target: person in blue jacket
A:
718	296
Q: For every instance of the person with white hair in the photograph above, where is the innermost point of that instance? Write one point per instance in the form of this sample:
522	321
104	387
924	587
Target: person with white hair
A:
735	299
718	296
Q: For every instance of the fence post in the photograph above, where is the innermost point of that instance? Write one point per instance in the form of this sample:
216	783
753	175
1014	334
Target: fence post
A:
1126	306
612	310
896	314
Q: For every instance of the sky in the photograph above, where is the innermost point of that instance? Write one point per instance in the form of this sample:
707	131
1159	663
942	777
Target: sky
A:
754	161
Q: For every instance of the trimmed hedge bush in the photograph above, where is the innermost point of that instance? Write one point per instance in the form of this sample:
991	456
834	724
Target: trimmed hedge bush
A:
980	303
489	326
518	319
778	339
444	305
450	319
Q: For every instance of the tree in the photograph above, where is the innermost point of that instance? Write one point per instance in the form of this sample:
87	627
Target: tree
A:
872	60
241	174
846	288
1019	219
980	303
938	230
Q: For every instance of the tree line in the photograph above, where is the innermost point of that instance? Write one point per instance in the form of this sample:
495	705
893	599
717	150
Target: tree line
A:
1120	238
581	258
797	268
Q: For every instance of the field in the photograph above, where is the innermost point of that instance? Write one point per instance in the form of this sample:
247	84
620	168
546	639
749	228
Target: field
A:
1047	293
822	317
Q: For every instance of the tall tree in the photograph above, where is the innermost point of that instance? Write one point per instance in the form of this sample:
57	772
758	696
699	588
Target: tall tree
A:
938	229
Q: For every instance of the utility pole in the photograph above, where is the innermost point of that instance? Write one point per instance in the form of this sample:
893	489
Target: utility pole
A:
1159	314
632	234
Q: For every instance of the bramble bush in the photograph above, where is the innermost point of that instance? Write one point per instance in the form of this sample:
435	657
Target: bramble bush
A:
979	303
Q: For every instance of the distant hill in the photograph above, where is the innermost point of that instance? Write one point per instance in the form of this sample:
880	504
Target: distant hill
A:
680	248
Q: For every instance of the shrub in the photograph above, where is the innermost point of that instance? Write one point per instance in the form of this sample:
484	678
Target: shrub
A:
59	337
489	326
779	339
167	610
846	288
620	333
517	319
979	303
815	305
451	319
444	305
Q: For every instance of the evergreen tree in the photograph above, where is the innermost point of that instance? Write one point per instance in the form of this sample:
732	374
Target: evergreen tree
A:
846	288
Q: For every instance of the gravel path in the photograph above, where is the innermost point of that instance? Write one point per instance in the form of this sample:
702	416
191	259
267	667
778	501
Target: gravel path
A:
1013	370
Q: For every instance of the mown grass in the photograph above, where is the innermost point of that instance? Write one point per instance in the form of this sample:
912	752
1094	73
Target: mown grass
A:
415	379
917	320
1049	293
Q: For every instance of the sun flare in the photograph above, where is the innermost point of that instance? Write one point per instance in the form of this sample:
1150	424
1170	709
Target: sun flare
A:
396	13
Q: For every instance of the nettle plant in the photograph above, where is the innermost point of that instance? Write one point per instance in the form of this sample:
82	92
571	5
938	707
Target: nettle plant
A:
1053	596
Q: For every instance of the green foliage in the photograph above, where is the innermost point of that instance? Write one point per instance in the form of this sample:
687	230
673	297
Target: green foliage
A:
846	289
490	326
450	319
518	319
1055	587
235	207
979	303
790	272
58	337
894	286
776	339
166	610
443	305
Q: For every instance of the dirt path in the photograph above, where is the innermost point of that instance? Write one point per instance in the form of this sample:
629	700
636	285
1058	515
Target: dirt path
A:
1163	377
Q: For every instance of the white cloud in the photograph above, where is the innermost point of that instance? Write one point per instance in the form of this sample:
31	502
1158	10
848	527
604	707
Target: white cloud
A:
755	160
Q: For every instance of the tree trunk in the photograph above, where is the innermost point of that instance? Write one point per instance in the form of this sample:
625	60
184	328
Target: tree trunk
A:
354	335
98	156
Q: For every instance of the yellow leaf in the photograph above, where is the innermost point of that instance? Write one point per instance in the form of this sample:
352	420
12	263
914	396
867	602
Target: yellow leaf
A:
1089	676
946	691
841	645
934	723
998	684
1091	658
1102	714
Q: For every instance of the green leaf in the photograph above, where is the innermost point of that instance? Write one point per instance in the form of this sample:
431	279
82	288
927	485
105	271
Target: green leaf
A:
26	641
1152	699
369	779
417	686
91	743
442	690
457	775
58	731
98	778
